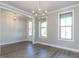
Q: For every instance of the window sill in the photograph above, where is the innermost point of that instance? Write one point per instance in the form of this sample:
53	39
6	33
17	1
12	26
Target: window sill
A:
66	40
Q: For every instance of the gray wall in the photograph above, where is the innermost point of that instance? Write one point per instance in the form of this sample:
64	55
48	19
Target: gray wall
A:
12	31
53	31
17	31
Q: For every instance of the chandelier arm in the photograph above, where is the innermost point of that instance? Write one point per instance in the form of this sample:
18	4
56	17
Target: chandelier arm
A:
39	13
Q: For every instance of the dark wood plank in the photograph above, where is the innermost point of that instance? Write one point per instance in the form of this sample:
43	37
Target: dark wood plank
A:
29	50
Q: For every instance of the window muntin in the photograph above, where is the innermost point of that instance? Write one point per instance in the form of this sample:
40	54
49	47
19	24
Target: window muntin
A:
43	28
65	26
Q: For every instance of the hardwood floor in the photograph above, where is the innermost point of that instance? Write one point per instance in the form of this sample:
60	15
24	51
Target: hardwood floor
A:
28	50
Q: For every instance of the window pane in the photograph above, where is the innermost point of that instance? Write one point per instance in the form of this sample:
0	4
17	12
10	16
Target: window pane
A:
30	28
66	26
30	24
62	32
62	20
44	24
43	32
30	31
68	21
68	32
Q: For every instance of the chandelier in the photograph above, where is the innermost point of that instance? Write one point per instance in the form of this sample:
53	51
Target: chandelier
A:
39	12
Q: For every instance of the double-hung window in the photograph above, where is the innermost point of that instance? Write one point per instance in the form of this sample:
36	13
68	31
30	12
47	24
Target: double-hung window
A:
66	26
43	28
30	28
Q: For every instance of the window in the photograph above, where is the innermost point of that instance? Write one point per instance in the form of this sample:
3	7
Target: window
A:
30	28
66	26
43	28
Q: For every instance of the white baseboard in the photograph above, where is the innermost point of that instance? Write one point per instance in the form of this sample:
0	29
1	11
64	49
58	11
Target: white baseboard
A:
65	48
28	39
16	41
13	42
34	42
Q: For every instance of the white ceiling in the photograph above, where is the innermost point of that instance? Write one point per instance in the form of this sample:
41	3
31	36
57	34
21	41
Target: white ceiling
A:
44	5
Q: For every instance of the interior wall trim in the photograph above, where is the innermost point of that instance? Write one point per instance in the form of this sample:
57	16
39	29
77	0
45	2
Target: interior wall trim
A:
14	9
61	9
12	42
56	46
4	5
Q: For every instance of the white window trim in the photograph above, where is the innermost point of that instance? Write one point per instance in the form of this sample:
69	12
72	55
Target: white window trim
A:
72	25
28	28
46	28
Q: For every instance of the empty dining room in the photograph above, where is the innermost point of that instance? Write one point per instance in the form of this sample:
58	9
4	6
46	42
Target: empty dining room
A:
39	29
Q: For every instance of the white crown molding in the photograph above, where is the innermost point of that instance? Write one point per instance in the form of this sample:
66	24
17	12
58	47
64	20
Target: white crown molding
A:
9	7
14	9
68	7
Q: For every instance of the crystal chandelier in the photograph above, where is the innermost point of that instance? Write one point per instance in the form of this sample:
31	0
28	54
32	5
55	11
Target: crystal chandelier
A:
39	12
